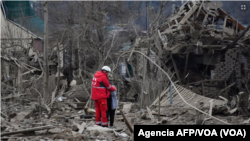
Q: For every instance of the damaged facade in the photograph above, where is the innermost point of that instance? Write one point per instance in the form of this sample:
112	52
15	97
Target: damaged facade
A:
22	38
208	51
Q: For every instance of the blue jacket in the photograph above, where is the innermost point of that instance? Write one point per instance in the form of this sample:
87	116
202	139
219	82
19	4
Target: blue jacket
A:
114	103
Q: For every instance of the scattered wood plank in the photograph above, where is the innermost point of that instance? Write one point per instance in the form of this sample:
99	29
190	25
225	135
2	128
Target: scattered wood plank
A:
161	95
77	100
240	36
28	130
231	19
19	75
81	127
198	13
126	122
11	96
151	115
30	71
187	16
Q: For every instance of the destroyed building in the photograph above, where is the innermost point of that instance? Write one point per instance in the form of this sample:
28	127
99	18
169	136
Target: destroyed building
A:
218	51
208	50
22	40
193	68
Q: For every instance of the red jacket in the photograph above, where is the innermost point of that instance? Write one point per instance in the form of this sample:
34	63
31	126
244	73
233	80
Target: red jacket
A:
100	86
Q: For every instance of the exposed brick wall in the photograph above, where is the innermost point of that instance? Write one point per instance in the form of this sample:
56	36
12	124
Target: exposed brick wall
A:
233	61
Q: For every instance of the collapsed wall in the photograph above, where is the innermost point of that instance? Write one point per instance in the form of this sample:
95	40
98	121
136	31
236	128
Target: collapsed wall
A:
206	48
215	40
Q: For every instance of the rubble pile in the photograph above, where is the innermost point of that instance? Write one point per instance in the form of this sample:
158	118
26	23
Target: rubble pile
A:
204	51
70	120
202	27
208	51
71	124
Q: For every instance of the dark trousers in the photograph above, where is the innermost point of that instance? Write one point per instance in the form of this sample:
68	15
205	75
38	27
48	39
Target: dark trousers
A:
111	114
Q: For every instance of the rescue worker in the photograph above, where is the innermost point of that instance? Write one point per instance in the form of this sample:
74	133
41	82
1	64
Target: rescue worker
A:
100	92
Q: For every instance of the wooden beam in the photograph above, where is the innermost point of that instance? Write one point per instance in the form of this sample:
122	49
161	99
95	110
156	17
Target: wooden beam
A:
126	122
11	96
19	76
204	20
241	35
81	127
222	12
201	5
9	62
151	115
187	16
27	130
224	25
143	79
161	95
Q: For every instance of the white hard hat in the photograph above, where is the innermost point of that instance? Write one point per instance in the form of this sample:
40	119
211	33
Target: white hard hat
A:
106	68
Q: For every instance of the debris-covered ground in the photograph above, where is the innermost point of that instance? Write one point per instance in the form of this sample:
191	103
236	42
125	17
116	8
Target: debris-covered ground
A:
194	66
71	124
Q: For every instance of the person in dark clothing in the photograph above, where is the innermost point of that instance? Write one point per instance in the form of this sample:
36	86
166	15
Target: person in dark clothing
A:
68	74
110	112
112	105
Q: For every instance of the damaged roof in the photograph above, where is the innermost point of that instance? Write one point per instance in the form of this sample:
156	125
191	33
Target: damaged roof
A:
21	13
201	25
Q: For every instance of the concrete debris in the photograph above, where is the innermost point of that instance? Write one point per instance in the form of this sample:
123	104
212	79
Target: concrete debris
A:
98	128
122	135
201	48
73	83
127	107
21	116
94	133
55	130
81	127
